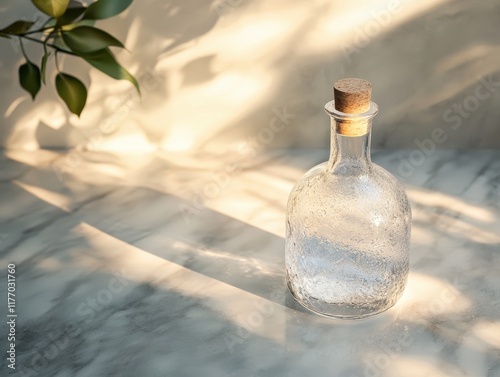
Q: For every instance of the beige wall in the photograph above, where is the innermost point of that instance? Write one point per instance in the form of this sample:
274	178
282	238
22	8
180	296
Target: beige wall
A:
215	74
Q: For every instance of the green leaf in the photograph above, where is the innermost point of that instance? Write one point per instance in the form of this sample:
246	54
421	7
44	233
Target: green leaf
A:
78	24
53	8
29	78
106	8
105	61
72	91
44	64
74	11
88	39
59	43
18	27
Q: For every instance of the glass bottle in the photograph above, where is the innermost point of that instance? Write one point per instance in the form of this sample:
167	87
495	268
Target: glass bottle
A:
348	220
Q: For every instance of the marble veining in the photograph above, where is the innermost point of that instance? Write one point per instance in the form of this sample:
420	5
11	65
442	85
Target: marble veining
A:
173	265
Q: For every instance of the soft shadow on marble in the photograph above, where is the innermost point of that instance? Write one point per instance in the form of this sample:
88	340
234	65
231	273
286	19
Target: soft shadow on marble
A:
168	265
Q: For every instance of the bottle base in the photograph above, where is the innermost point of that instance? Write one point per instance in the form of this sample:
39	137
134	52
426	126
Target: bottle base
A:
340	311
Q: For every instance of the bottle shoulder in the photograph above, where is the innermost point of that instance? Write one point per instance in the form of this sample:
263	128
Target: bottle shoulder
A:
374	173
374	184
385	175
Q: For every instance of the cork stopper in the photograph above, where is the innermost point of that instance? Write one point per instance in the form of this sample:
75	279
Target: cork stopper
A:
352	96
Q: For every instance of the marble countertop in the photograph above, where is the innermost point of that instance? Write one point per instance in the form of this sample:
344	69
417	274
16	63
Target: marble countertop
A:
173	265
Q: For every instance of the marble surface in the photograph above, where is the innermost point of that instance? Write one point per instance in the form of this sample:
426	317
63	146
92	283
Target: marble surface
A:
172	265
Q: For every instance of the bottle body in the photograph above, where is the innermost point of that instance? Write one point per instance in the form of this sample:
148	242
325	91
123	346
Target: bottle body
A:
348	233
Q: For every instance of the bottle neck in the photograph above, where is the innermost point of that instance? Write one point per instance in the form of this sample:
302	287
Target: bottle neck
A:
349	150
350	141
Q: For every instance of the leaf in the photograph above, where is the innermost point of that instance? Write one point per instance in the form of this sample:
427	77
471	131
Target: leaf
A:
53	8
59	43
18	27
29	78
89	39
72	91
74	11
106	8
78	24
105	61
44	64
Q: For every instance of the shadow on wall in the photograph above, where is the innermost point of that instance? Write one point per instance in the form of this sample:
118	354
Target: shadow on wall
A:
216	74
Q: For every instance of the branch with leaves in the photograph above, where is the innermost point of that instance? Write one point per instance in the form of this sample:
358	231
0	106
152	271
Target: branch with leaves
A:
69	30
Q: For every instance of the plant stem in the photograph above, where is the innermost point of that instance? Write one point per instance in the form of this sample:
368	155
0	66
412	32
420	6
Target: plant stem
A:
57	62
22	49
39	30
48	44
